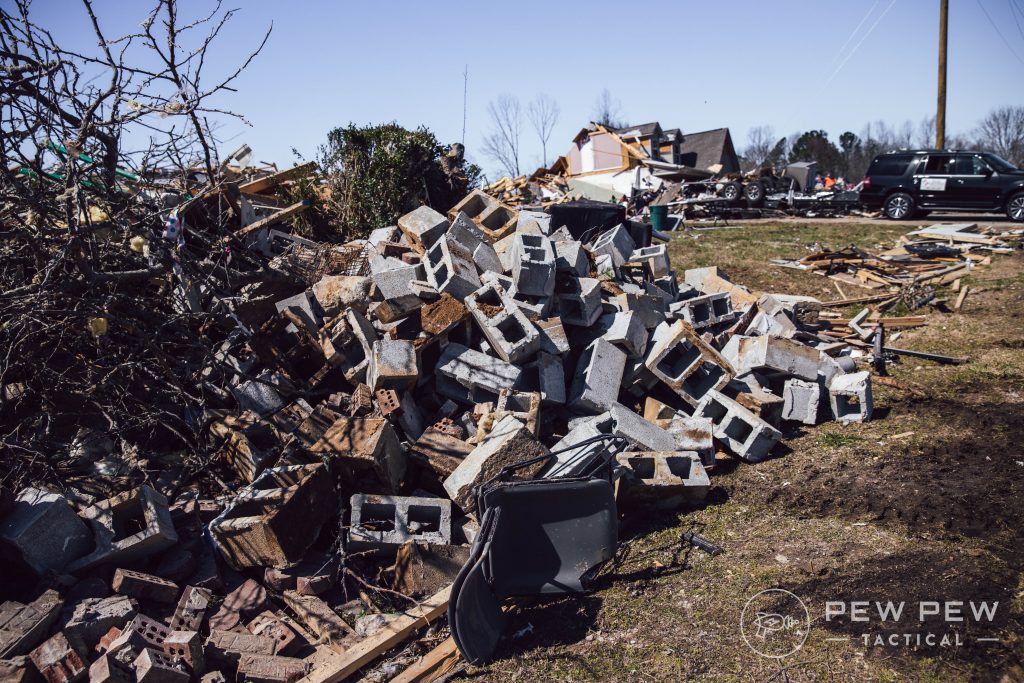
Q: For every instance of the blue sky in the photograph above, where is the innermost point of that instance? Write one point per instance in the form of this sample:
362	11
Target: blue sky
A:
692	65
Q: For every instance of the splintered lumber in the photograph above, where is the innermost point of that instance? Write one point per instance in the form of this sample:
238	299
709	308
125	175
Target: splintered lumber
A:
430	666
842	303
341	666
273	180
256	226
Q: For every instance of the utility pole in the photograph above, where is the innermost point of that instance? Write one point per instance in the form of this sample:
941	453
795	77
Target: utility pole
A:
940	113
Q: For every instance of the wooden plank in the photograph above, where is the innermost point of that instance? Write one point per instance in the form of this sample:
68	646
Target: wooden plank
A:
856	300
961	297
365	651
256	226
275	179
437	662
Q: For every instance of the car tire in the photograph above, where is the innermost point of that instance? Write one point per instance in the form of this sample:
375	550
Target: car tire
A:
898	206
732	191
754	192
1015	208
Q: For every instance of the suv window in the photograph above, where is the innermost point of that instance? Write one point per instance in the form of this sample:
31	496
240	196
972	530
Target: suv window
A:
940	164
890	165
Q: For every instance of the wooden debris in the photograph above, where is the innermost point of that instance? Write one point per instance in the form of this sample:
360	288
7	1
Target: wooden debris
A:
439	661
960	298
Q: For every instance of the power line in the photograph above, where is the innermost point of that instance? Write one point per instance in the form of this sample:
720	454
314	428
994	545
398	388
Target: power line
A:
1001	36
839	52
1013	12
857	46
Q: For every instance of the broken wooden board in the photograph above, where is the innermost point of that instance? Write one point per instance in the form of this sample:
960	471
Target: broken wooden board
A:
439	661
957	232
337	667
273	180
256	226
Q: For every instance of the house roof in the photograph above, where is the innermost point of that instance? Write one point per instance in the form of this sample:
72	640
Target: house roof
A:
703	149
672	134
644	130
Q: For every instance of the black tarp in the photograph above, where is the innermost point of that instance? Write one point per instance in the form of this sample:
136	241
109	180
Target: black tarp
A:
585	218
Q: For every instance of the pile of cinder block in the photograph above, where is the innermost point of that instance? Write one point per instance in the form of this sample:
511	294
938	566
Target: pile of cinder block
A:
361	415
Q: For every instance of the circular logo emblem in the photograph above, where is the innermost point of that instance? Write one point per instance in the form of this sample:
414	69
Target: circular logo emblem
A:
775	623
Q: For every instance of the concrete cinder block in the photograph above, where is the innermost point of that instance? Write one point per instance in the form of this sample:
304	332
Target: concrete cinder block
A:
535	308
625	331
773	355
571	257
617	244
647	308
303	305
571	459
393	364
595	386
638	431
512	336
533	264
114	519
450	268
800	401
335	293
743	433
423	227
541	218
509	442
44	531
439	451
522	405
257	396
553	339
93	617
850	396
469	376
579	301
704	311
655	258
545	375
465	232
274	520
352	338
395	286
495	219
389	521
365	442
22	627
663	480
687	364
694	434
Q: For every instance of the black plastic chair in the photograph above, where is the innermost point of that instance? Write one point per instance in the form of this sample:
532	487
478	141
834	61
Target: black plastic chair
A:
538	537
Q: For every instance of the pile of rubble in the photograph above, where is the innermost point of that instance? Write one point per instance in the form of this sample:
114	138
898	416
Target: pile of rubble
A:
361	416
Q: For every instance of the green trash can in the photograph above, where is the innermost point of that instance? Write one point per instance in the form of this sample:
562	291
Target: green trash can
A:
658	215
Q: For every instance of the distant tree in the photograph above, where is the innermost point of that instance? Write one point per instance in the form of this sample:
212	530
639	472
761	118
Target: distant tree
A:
608	111
502	143
814	145
926	133
777	156
759	145
1002	132
377	173
849	146
543	114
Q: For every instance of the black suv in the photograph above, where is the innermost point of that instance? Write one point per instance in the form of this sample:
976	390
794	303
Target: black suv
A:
907	184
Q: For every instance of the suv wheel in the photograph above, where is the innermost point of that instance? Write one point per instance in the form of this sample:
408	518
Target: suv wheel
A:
754	192
731	191
1015	207
899	206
